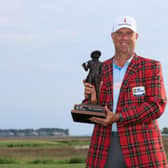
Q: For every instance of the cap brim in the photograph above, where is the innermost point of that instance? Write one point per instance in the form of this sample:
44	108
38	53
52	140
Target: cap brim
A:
124	26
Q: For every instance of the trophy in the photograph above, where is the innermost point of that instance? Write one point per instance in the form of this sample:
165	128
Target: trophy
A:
82	112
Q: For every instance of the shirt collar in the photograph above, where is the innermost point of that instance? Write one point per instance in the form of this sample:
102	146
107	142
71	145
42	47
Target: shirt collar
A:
126	63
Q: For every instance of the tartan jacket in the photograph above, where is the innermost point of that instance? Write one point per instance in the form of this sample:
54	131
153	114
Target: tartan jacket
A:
139	134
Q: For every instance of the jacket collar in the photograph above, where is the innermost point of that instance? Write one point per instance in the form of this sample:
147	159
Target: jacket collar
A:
132	68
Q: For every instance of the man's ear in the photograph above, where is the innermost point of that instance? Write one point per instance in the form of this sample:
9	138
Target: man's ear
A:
112	36
137	35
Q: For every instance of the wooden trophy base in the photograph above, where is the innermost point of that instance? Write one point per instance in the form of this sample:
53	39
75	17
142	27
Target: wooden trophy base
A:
82	112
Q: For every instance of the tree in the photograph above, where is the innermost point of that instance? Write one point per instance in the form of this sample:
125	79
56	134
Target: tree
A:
165	131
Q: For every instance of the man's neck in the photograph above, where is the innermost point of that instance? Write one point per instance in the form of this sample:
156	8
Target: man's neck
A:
121	59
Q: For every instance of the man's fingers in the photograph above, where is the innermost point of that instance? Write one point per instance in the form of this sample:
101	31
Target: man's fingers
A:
89	88
88	85
98	120
94	119
107	109
101	83
88	91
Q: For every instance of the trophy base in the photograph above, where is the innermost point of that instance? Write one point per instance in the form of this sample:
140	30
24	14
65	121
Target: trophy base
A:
82	112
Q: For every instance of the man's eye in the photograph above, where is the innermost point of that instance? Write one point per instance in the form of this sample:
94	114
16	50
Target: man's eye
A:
129	33
119	33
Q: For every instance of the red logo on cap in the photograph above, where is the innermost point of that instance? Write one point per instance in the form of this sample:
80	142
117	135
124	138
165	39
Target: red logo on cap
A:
125	20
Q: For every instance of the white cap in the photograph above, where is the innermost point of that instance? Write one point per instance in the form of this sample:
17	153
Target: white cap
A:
124	22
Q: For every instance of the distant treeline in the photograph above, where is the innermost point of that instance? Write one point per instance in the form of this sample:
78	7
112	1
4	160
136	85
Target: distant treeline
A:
165	131
42	132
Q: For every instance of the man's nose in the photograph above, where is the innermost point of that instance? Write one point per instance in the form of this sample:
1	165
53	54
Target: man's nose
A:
124	36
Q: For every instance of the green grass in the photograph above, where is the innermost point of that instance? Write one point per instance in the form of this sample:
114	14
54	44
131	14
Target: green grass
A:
42	153
4	160
44	166
41	143
73	142
23	143
45	152
72	160
43	163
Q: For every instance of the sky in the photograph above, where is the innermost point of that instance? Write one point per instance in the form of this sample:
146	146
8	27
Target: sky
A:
43	44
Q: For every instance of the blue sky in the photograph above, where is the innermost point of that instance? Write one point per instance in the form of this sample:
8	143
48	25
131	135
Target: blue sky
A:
43	44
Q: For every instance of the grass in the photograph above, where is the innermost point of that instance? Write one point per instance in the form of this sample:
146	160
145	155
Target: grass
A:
48	163
44	166
23	143
9	161
73	160
73	142
42	143
46	152
43	152
44	163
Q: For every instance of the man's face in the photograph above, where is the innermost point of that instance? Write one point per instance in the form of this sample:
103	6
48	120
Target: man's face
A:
124	40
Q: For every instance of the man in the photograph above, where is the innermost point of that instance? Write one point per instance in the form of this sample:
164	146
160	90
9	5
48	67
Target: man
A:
133	94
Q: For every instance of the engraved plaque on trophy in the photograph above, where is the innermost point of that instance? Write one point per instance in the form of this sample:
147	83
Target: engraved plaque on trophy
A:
82	112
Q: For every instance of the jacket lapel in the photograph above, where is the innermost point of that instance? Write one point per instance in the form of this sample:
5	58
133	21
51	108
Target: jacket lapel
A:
110	83
130	72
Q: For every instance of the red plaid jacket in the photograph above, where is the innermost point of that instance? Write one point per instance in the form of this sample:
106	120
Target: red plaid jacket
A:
139	134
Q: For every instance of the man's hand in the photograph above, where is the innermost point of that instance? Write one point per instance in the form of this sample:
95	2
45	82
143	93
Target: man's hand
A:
110	118
90	89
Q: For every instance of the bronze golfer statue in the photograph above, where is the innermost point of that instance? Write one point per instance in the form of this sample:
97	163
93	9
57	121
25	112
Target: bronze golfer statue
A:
82	112
94	76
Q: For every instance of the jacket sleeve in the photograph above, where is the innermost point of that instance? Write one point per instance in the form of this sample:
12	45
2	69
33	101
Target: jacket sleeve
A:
154	101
